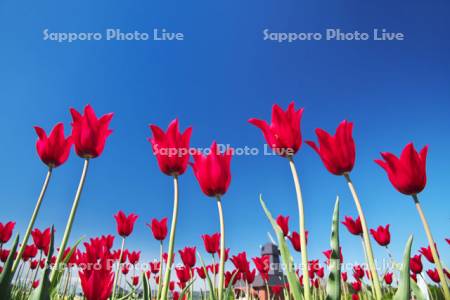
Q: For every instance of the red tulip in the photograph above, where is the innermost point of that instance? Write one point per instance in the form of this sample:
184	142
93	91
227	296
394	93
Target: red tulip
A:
211	242
353	226
433	274
159	229
227	251
171	286
415	264
316	283
213	171
358	272
33	264
135	280
157	279
6	231
313	266
125	269
283	135
42	263
125	224
116	255
355	297
89	134
229	275
413	276
356	286
148	273
283	222
155	266
213	268
201	272
133	257
262	264
175	295
41	239
35	284
165	256
188	256
381	235
328	255
171	148
448	241
54	149
240	262
337	152
426	251
407	173
250	276
4	255
295	240
183	274
30	251
388	278
344	276
276	289
320	272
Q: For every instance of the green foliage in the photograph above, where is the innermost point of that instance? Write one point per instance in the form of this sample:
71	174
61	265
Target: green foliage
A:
404	289
212	294
43	292
334	278
7	273
147	294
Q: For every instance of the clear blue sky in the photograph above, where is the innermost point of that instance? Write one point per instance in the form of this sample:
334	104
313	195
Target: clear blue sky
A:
222	74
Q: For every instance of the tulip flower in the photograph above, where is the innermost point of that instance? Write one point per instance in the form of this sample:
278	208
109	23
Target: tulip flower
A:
4	255
159	229
337	152
33	264
6	231
226	254
229	275
171	148
276	289
415	264
250	276
284	136
283	222
211	242
240	262
171	286
135	280
448	241
125	269
262	264
388	278
426	251
125	223
353	226
166	256
355	297
214	176
381	235
183	274
155	267
29	252
35	284
201	272
344	276
175	295
188	255
295	240
133	257
433	274
54	149
42	239
407	174
213	268
328	255
358	272
356	285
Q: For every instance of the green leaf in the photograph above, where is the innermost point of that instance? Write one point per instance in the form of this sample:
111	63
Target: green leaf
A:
7	273
186	289
212	294
229	287
294	283
43	292
404	289
416	290
147	295
334	278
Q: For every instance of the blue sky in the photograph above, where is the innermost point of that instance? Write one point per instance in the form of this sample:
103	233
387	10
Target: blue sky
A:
222	74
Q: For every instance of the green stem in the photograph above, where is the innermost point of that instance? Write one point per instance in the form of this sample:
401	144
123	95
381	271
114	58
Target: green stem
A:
368	246
32	220
68	229
307	288
160	268
222	248
173	228
116	277
437	261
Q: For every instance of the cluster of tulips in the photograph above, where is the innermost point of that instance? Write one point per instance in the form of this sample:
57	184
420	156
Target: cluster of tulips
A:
35	271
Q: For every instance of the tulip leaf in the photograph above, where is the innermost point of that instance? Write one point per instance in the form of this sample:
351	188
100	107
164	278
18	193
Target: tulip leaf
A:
147	295
404	286
7	273
212	294
186	289
294	283
43	292
334	278
418	293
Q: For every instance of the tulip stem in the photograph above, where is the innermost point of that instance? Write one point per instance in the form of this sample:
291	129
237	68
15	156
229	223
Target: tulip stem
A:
116	277
434	253
173	228
73	212
301	213
160	268
222	248
32	220
366	239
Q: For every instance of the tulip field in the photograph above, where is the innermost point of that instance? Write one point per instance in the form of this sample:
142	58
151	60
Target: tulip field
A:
35	265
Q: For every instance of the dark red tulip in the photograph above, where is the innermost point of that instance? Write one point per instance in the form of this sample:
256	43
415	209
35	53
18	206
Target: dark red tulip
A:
6	231
283	222
413	276
388	278
320	272
135	280
448	241
35	284
125	223
358	272
4	253
227	252
188	256
33	264
337	152
250	276
201	272
240	262
176	295
353	226
41	239
213	171
328	255
171	148
125	269
276	289
171	286
434	275
344	276
211	242
407	173
355	297
30	251
42	263
283	135
107	240
183	274
89	133
54	149
133	257
148	273
316	283
381	235
159	229
157	279
165	256
426	251
415	264
313	266
356	285
262	264
154	267
229	275
295	240
213	268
